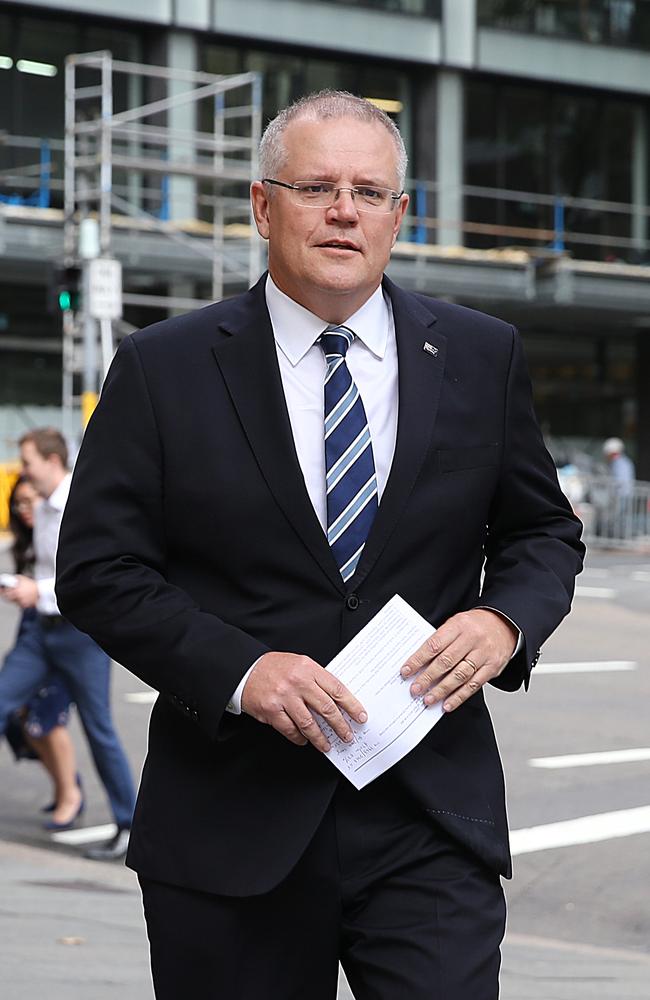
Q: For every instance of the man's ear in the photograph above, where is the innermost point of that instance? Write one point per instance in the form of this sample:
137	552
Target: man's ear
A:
399	216
260	205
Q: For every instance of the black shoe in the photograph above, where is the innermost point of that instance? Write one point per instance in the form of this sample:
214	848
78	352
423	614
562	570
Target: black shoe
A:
52	827
112	850
51	806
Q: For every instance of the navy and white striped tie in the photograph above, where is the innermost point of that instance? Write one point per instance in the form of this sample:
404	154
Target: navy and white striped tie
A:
349	461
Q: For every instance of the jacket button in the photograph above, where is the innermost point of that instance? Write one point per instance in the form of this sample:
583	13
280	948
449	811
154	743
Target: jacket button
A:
352	602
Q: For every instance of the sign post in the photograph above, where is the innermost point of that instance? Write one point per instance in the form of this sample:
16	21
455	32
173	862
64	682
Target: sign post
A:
105	288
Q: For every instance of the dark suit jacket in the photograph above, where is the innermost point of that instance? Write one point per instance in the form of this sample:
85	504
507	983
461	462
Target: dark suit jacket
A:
189	547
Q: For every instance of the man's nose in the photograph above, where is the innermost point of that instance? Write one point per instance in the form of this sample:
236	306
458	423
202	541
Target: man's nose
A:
343	206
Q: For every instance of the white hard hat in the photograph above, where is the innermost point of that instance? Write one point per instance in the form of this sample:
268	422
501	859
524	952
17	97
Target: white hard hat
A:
613	446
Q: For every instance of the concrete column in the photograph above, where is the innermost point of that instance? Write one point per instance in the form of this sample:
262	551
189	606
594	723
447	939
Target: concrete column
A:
643	405
449	156
134	178
640	156
459	33
181	54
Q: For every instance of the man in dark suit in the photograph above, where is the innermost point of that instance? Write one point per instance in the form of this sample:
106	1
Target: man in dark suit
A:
221	551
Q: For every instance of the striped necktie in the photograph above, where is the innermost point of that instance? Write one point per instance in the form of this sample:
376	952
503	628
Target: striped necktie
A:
349	462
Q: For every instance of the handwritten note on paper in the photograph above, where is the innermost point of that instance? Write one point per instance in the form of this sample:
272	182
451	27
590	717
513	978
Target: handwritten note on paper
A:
370	667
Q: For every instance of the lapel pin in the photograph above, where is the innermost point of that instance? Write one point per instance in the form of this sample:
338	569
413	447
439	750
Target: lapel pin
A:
430	349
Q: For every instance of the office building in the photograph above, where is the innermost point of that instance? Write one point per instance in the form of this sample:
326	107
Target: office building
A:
527	131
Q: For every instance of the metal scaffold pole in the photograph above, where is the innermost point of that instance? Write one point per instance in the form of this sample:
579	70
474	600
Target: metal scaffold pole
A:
127	169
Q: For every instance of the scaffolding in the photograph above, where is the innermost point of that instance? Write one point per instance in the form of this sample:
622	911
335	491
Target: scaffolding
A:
173	164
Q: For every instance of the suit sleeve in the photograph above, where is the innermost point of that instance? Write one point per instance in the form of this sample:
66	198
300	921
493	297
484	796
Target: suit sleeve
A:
533	549
111	561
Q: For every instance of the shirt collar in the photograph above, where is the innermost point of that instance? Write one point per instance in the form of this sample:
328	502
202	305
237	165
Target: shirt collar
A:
296	329
58	498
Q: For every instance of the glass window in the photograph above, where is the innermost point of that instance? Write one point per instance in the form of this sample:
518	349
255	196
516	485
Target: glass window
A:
33	51
601	22
545	142
32	89
482	162
283	79
123	45
221	60
7	73
422	8
31	375
286	76
40	98
581	386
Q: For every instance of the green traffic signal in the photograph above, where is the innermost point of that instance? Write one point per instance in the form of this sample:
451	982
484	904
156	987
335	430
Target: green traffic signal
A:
64	293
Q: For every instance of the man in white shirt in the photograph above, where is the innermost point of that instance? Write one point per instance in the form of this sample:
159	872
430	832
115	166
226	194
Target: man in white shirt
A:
53	644
621	466
259	479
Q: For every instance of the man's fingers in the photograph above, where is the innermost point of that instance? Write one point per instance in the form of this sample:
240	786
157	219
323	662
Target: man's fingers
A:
307	725
329	698
454	665
462	693
286	727
433	647
290	692
343	698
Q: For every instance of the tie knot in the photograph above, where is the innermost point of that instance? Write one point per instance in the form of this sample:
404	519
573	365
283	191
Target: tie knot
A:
335	341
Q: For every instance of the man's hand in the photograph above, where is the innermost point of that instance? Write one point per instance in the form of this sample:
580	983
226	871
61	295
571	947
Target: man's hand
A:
25	593
284	689
464	654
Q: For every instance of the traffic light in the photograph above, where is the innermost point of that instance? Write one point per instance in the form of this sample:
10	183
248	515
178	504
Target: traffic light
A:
65	289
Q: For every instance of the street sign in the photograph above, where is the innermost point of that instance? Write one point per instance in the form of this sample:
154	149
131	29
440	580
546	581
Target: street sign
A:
104	288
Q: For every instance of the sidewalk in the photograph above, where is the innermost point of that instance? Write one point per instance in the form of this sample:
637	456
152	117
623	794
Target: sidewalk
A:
72	929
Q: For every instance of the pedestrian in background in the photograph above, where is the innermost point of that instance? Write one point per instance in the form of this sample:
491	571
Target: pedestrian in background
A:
621	466
38	730
258	480
619	515
54	643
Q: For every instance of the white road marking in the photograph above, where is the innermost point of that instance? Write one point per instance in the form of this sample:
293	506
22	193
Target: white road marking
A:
585	667
641	576
85	835
590	759
576	948
583	830
141	697
602	593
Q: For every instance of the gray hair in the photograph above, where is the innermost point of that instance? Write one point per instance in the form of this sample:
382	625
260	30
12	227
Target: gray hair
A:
325	104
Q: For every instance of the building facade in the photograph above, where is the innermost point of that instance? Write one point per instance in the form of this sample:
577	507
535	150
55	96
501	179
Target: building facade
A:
527	130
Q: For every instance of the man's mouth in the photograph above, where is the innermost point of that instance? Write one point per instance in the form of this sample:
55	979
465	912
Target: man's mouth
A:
339	245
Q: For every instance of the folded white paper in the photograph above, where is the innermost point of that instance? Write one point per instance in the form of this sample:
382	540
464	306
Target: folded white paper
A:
369	666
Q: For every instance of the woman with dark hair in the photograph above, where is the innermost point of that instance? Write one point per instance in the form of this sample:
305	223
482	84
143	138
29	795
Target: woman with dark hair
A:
39	729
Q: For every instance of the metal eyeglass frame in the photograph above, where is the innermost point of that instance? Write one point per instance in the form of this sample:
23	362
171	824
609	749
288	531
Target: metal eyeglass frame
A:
354	192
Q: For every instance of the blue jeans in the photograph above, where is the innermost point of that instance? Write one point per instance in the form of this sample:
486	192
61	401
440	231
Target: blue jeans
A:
40	650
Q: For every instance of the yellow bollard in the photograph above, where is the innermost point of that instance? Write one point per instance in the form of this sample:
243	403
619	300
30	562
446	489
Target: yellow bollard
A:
9	472
88	404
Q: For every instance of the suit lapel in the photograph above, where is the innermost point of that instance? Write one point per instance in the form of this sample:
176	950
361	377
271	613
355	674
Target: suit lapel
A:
248	363
420	381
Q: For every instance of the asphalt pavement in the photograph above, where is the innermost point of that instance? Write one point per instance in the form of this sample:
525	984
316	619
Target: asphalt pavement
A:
576	752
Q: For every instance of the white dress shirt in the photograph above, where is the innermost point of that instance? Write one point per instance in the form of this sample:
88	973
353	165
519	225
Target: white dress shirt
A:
372	361
47	522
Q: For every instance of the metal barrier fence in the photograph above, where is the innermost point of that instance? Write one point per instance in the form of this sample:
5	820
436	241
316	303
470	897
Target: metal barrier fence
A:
615	515
31	174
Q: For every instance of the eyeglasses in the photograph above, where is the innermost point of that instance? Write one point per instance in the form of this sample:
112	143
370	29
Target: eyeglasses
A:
323	194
